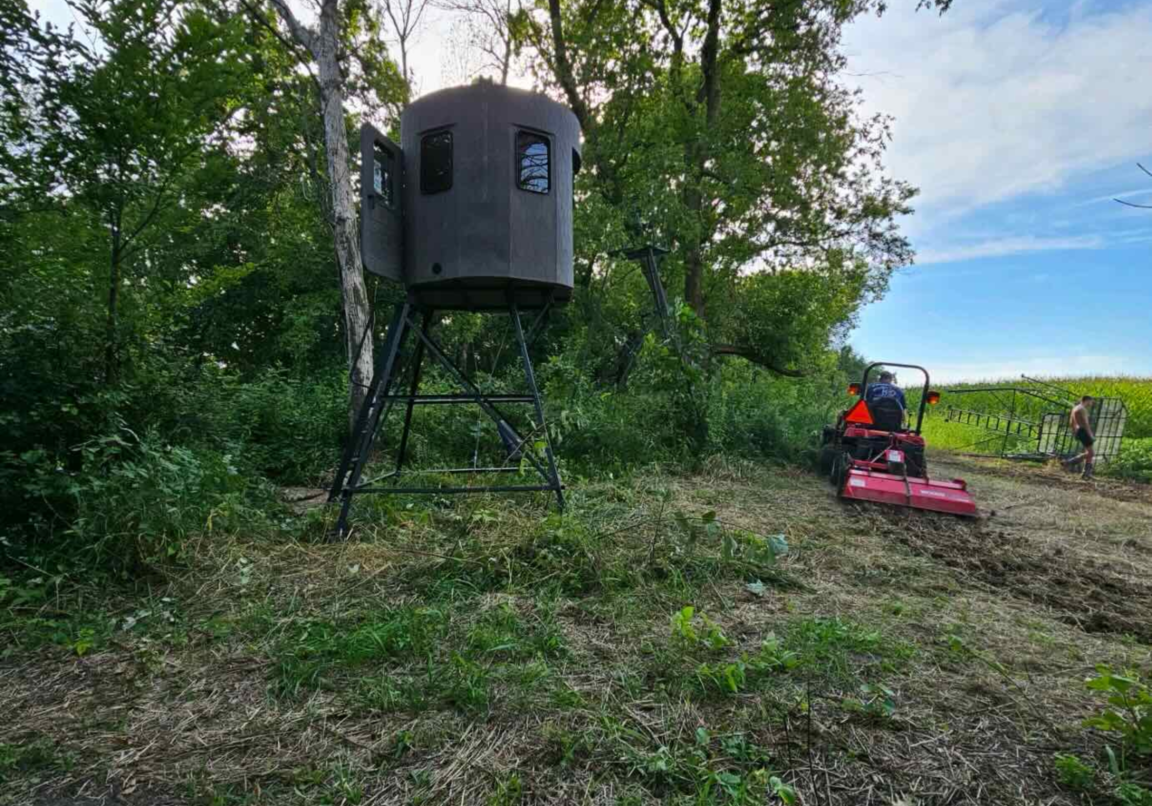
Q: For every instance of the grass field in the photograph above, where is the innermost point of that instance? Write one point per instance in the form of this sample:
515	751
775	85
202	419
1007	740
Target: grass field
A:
656	644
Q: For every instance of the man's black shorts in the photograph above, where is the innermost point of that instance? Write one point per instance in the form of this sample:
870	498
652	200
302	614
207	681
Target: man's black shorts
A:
1085	440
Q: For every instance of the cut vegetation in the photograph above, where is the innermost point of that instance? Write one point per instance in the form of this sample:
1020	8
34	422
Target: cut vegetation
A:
735	636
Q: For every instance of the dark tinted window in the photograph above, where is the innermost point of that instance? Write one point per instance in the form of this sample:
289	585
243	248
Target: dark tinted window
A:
436	162
533	156
382	175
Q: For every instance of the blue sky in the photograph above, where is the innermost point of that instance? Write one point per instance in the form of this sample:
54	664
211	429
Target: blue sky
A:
1019	122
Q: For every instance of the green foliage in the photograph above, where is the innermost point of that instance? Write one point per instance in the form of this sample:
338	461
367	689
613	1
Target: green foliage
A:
508	791
875	701
171	337
138	499
289	428
834	653
34	756
706	769
1134	462
1131	794
842	649
1074	773
1126	719
1128	714
314	651
691	631
501	633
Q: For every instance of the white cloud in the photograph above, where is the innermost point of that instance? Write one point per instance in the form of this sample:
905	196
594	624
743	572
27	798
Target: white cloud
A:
1000	247
995	99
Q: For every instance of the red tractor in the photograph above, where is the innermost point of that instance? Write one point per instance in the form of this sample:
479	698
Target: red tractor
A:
872	454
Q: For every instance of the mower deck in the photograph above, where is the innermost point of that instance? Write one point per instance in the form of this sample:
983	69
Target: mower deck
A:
862	484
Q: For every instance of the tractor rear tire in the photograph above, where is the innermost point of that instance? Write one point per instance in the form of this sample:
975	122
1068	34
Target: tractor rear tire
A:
828	456
839	471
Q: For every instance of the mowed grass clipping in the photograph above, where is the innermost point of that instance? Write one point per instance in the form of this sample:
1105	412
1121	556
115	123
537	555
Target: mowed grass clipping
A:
732	637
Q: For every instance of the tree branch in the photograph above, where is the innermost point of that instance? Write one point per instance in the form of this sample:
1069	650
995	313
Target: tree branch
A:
733	349
1137	206
564	66
292	47
710	85
301	33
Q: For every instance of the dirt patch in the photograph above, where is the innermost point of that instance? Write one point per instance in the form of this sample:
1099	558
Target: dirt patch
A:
1096	596
302	499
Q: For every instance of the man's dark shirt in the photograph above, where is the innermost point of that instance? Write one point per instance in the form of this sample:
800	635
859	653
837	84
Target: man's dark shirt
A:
876	391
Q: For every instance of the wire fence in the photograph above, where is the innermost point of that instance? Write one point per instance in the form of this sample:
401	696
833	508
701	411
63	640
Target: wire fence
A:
1135	392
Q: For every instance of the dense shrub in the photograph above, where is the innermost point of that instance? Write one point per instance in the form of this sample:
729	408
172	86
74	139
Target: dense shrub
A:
747	411
122	477
132	503
287	428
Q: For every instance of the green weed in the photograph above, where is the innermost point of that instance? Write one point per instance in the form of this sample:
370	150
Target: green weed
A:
1074	773
314	650
692	631
1128	714
31	759
843	651
501	633
568	747
728	769
507	792
456	683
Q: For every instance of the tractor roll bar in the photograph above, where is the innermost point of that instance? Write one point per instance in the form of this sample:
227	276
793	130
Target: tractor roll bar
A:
923	394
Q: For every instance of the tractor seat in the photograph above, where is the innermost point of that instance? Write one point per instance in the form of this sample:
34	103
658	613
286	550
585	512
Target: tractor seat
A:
887	414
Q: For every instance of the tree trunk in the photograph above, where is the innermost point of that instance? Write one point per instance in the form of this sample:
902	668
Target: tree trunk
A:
694	273
694	253
324	45
344	224
696	159
111	318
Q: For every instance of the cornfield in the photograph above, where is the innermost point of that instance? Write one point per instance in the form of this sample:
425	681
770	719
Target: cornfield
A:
1135	392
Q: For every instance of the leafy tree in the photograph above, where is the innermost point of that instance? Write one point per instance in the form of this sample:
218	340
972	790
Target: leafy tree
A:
27	51
132	119
722	129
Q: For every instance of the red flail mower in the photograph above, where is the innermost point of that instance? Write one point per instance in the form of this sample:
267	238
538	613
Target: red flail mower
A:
871	454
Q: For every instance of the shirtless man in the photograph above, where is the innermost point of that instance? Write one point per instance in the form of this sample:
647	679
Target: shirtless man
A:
1082	430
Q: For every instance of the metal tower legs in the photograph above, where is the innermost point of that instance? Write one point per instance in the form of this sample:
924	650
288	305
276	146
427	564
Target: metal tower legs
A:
379	401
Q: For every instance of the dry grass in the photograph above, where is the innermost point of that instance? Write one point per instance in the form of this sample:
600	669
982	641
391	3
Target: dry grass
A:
541	667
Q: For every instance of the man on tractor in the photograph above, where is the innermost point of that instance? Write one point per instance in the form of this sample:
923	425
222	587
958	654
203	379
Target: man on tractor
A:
886	387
